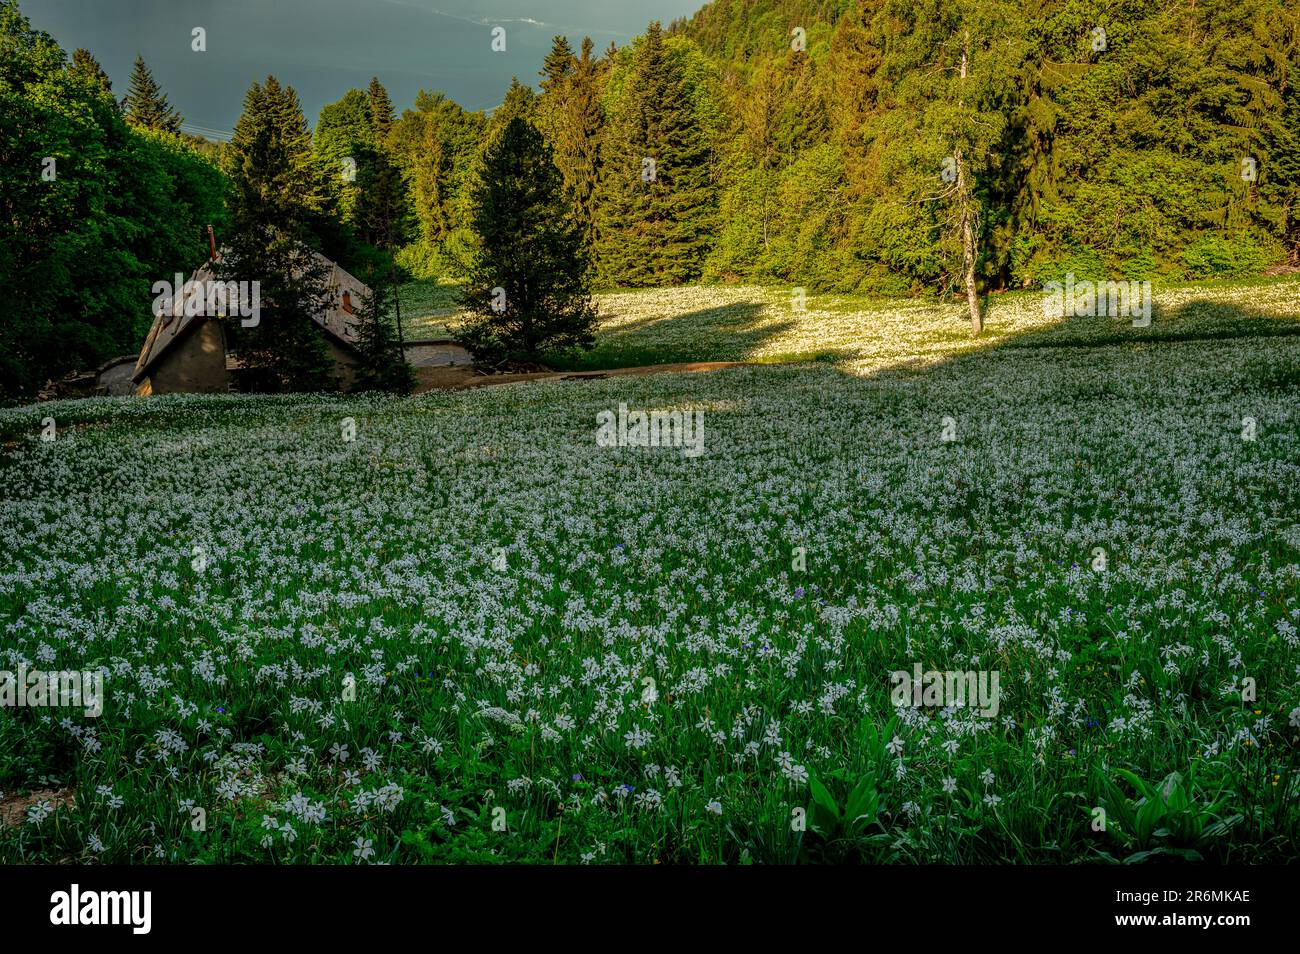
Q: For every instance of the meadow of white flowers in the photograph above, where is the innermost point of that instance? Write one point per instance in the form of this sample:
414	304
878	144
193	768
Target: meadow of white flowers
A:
473	633
767	324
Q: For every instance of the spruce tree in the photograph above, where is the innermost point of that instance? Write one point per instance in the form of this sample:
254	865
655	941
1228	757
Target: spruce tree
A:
552	106
343	133
657	197
581	163
146	105
558	65
430	182
572	121
1283	179
519	102
381	112
273	198
382	206
527	289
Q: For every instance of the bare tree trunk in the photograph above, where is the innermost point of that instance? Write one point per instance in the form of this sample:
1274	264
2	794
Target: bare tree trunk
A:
965	197
397	303
968	250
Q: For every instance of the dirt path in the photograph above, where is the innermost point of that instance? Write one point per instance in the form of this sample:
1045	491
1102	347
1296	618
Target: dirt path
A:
460	378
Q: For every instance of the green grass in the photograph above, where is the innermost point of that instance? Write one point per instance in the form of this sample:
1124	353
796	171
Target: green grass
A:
499	587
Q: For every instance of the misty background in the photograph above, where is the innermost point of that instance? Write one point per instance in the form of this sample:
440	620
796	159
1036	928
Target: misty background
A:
324	47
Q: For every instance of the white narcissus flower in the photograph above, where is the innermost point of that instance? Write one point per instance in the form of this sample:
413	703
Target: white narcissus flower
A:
374	558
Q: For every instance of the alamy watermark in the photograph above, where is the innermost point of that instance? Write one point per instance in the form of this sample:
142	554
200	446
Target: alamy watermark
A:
655	428
1098	299
131	908
972	688
61	689
212	299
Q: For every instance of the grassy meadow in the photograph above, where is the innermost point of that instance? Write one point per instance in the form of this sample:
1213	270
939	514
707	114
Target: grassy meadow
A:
473	633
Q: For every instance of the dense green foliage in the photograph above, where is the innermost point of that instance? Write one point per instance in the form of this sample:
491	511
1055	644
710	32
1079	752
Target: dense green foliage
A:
1120	154
382	365
884	146
275	192
527	287
844	144
92	212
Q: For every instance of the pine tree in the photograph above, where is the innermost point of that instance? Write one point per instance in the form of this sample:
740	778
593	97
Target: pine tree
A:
657	197
431	186
273	197
340	145
519	102
527	288
146	105
551	112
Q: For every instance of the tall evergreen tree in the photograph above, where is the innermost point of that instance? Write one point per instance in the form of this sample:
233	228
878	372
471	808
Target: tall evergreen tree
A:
381	112
527	289
1283	177
85	66
573	124
431	185
435	146
273	198
558	66
340	145
520	102
657	198
383	209
146	105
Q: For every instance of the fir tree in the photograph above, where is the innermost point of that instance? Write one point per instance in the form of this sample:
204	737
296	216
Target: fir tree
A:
145	103
431	186
340	145
657	197
581	162
1283	179
273	198
519	102
527	288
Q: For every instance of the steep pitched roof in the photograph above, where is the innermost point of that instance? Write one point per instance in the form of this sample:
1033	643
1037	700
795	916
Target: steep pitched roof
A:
172	324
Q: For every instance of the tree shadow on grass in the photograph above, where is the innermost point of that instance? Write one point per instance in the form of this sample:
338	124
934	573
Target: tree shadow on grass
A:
1196	320
690	336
